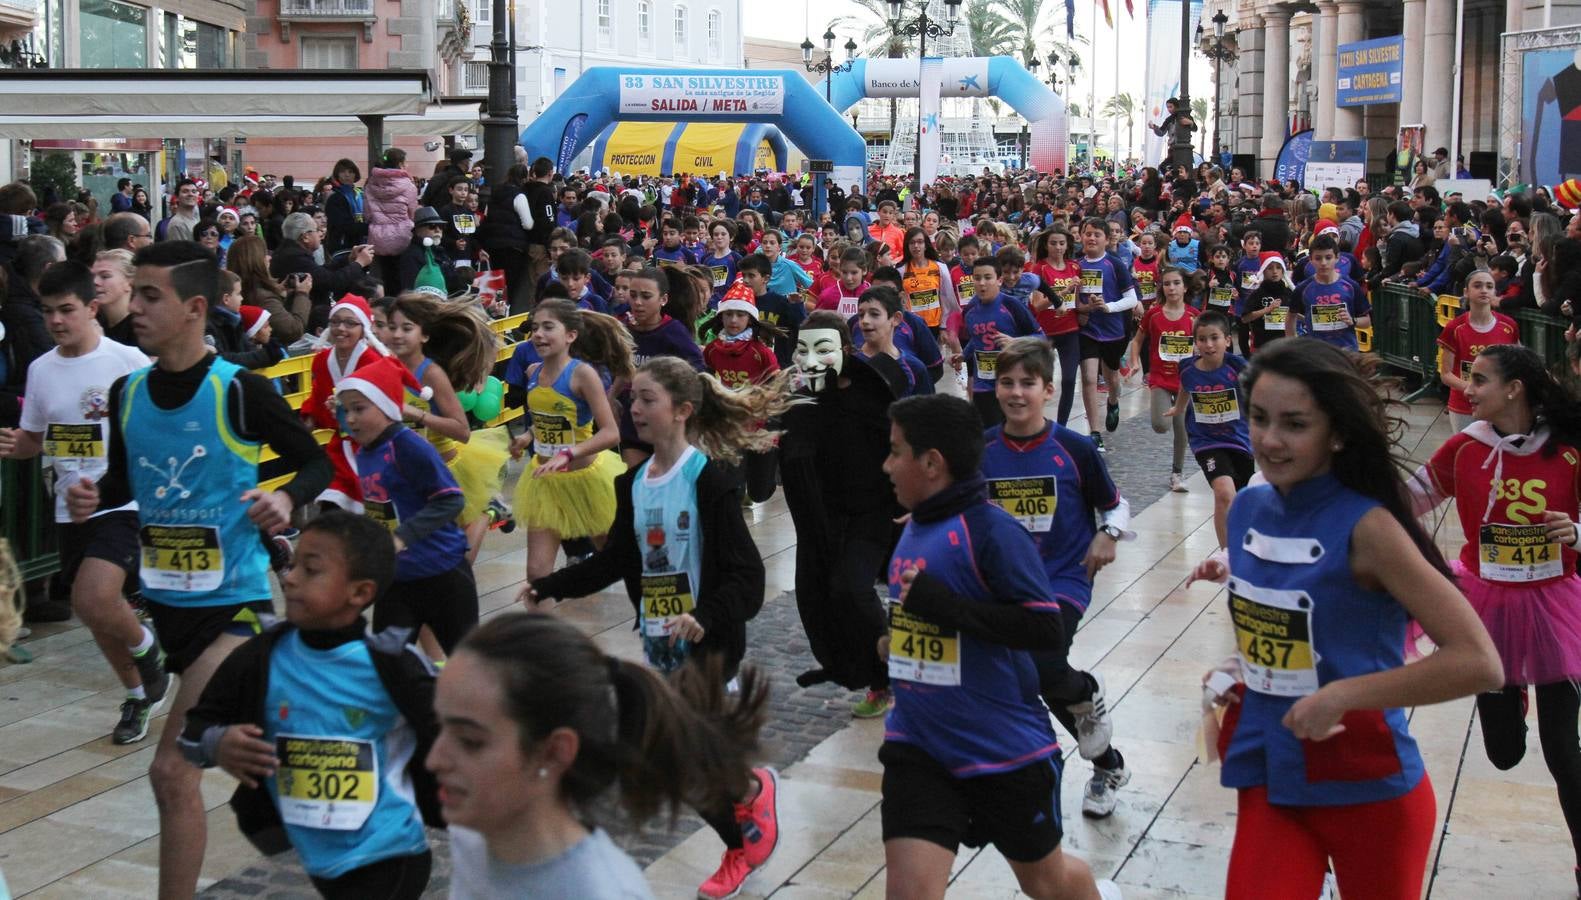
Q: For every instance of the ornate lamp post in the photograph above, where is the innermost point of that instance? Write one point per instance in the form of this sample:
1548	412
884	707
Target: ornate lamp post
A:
922	28
826	66
1220	52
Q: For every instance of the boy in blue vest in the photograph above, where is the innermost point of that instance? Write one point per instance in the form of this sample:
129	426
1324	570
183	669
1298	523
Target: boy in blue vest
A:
407	487
968	753
326	725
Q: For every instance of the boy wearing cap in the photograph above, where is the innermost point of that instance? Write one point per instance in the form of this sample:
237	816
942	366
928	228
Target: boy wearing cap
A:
407	487
1264	308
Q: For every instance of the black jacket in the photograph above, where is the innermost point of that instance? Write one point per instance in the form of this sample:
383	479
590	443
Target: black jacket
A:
731	590
26	339
1275	228
237	697
225	334
1403	244
502	227
329	282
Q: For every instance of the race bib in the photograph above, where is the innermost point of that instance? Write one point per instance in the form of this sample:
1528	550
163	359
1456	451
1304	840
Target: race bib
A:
383	512
1222	297
1250	281
1326	317
1275	319
1518	553
721	274
1031	500
326	782
465	223
922	652
1091	281
84	441
988	364
1175	347
1273	635
664	597
1145	286
967	290
182	557
551	434
1215	407
924	301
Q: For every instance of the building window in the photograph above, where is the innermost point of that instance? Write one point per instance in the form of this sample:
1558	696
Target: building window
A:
645	24
681	33
482	12
606	24
329	53
475	78
194	45
716	34
114	35
49	34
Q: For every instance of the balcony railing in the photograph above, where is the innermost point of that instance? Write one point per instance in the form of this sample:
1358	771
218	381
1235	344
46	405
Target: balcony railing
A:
327	10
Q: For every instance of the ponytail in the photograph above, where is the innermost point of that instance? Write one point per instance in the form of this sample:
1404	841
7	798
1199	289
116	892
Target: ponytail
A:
665	742
724	422
601	340
1552	402
459	337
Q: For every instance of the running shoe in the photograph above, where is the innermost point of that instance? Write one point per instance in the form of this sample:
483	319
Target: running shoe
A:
1103	386
500	516
874	705
1108	890
1103	791
728	878
1094	725
760	819
135	714
1111	419
1177	483
151	669
1097	441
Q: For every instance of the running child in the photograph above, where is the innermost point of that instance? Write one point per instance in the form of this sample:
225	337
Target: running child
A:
774	309
1330	306
409	490
969	755
1165	336
929	290
1184	252
785	278
670	253
688	561
842	297
1106	297
63	418
1058	318
656	330
1211	400
1264	308
1054	482
576	273
913	336
985	325
355	818
569	492
720	260
352	345
1468	334
742	355
878	315
1326	568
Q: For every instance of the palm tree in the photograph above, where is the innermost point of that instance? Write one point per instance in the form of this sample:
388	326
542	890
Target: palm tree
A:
878	40
990	32
1122	106
1199	112
1026	19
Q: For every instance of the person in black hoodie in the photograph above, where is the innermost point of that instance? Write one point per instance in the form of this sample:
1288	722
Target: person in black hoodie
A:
516	228
25	338
1401	244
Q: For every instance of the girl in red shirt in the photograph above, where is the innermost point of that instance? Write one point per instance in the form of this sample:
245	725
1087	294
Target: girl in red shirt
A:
743	355
1164	337
1060	276
1465	336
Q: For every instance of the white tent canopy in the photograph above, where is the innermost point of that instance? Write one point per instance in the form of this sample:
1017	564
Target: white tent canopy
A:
436	119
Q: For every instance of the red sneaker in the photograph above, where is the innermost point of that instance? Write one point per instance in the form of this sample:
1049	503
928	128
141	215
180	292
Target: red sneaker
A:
728	879
760	819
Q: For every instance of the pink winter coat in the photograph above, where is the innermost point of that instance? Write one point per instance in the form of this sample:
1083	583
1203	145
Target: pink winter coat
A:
389	202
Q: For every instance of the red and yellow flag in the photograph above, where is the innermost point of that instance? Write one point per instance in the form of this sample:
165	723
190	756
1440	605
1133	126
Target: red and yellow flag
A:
1107	19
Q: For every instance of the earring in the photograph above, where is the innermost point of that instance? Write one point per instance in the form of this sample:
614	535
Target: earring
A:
543	773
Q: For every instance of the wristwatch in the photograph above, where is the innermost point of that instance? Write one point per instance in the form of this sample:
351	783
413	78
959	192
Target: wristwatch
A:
1113	532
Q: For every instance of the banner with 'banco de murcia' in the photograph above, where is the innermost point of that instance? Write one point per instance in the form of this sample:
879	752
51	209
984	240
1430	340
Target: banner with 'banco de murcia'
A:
702	95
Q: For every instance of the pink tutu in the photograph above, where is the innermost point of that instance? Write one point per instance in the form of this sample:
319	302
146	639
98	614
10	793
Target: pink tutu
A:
1537	629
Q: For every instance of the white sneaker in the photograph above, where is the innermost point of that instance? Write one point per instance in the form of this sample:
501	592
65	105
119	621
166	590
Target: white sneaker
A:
1102	794
1330	887
1108	890
1094	725
1177	483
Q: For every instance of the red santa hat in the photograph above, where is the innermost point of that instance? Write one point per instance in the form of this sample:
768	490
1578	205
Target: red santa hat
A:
1272	257
254	318
1325	226
1184	223
739	298
384	382
359	309
228	211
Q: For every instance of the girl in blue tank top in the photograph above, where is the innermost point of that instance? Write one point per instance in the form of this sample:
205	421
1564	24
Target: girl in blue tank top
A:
1325	567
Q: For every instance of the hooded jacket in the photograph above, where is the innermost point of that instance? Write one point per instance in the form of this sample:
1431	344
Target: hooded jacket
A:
1403	245
389	202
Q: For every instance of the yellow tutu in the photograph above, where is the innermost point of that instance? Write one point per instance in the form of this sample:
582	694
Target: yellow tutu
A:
570	504
479	467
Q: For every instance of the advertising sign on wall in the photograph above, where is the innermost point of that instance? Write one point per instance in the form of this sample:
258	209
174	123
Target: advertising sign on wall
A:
1335	164
702	95
1371	72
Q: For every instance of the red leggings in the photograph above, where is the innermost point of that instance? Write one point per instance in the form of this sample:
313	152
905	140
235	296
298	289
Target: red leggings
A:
1379	849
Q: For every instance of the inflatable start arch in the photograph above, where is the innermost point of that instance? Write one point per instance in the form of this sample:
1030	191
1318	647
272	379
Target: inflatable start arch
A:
782	97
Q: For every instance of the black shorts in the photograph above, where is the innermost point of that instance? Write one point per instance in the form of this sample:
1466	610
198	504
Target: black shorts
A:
186	631
1016	811
447	603
1107	352
111	537
1222	461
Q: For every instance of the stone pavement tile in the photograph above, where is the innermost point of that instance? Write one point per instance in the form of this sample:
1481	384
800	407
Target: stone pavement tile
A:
53	798
55	768
37	696
1180	866
1476	866
43	851
850	862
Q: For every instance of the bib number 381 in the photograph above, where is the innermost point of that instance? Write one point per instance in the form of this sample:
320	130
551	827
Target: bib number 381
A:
1273	634
326	782
921	651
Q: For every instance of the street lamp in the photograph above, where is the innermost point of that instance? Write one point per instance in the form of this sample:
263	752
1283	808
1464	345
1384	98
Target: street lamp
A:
1180	143
922	28
826	66
1219	52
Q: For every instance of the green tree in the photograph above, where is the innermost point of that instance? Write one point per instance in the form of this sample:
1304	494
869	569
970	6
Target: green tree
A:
878	39
990	32
1199	112
1029	25
1123	106
53	175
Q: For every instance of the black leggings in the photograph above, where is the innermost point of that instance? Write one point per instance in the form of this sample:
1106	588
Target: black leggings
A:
1504	737
987	403
397	878
1063	686
760	470
1068	346
447	603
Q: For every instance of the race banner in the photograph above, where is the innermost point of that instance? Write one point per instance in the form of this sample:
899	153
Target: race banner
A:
702	95
932	69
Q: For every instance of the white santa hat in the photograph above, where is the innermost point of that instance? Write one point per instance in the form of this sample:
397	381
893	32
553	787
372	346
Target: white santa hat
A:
383	382
359	309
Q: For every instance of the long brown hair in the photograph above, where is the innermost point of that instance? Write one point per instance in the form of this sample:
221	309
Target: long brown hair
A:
600	339
665	742
459	338
248	259
724	422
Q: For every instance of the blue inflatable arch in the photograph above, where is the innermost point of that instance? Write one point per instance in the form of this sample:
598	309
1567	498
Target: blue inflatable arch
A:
781	97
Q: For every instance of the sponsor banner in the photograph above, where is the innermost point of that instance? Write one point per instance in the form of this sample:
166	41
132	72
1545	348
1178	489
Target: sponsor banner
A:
958	77
568	142
1335	164
932	70
702	95
1163	70
1291	164
1371	72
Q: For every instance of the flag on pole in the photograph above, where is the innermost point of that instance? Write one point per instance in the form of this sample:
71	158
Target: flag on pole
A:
1129	11
1070	20
1107	19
